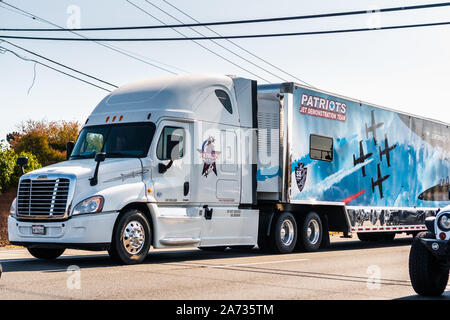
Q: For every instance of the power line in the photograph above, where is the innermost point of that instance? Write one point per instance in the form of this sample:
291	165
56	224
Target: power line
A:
247	36
58	63
240	47
199	44
263	20
108	46
50	67
217	43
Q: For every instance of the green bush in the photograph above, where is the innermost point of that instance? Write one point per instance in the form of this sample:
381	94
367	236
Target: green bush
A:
10	172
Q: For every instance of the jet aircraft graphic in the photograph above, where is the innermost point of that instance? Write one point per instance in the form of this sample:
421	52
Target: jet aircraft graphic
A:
362	158
379	181
387	149
373	127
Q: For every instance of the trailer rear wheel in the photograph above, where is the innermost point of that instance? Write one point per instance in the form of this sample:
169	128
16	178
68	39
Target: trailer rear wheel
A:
365	236
389	236
311	233
46	253
376	236
284	233
428	277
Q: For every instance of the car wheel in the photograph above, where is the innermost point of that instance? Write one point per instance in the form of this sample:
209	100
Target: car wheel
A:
428	277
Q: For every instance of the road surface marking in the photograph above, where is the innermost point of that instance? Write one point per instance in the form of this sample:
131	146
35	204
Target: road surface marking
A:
256	263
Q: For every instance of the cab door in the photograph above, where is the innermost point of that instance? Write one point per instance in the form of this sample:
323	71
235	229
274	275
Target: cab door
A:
172	162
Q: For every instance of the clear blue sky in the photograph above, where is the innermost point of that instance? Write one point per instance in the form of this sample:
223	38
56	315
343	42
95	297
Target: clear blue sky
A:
408	70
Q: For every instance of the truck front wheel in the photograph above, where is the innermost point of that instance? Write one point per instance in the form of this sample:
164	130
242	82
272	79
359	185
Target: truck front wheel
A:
131	238
428	277
46	253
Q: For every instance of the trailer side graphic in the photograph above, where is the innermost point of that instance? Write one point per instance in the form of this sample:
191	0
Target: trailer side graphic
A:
367	158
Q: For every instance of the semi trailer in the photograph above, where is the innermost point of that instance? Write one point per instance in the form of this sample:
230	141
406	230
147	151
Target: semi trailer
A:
217	161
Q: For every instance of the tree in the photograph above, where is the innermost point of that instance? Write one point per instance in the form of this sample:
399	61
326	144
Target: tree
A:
46	140
10	172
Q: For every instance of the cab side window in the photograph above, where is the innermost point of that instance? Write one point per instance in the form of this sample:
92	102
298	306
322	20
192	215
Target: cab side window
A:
225	100
171	144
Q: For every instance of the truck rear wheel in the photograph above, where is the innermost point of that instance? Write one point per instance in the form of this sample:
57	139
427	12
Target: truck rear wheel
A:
428	277
284	233
311	232
46	253
131	238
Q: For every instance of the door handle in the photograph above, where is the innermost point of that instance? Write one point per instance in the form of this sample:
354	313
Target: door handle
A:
208	212
186	188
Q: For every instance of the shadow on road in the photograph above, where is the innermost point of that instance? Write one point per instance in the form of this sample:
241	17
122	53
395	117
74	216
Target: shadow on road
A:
171	256
445	296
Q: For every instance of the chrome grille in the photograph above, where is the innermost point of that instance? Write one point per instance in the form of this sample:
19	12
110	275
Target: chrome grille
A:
43	197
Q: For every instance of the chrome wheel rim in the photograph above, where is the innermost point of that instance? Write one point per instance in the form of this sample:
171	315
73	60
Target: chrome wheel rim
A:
313	231
287	232
133	237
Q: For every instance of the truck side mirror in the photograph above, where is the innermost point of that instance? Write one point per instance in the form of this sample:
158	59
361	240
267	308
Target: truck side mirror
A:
99	157
69	148
163	167
22	161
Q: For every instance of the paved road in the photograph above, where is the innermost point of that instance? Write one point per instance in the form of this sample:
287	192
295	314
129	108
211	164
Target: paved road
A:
349	269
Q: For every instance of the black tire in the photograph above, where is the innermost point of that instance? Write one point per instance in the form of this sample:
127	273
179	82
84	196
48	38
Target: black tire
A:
376	236
46	253
428	277
311	233
283	235
214	249
264	241
388	236
414	234
124	252
365	237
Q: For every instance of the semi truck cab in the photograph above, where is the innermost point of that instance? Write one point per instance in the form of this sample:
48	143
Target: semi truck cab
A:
163	162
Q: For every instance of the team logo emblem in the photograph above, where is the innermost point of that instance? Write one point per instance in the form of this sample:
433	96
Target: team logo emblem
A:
209	156
300	175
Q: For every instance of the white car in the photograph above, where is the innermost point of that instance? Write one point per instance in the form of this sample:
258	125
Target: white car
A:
429	258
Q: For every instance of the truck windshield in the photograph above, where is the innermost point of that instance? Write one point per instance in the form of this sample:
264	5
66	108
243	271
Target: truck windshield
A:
129	140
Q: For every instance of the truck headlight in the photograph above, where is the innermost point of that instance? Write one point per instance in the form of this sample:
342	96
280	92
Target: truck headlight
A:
444	222
89	205
13	208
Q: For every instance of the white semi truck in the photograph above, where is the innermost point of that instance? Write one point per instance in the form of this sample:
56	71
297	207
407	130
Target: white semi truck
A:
217	161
